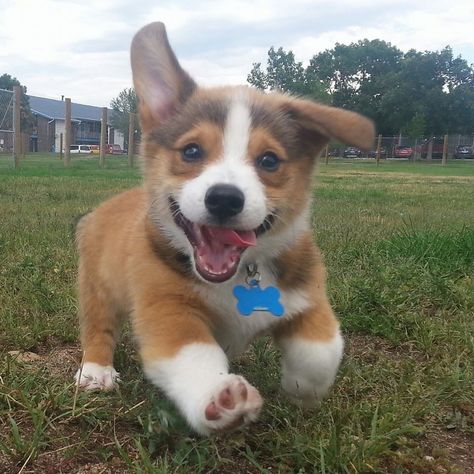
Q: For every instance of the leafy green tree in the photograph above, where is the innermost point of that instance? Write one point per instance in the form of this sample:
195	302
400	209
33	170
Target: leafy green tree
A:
357	74
257	77
416	127
432	83
122	105
27	119
285	74
416	93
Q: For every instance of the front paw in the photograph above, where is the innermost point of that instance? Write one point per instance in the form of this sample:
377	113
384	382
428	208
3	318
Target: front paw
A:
302	391
94	376
309	368
231	405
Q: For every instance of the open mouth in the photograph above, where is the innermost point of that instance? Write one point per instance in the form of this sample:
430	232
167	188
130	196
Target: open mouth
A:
217	250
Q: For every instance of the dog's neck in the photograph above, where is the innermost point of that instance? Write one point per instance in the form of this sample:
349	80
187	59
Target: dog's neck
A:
161	247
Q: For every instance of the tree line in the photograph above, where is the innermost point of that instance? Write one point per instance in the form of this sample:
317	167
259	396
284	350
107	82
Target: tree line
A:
27	119
417	93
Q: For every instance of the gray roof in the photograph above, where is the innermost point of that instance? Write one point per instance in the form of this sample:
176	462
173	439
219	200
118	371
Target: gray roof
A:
55	109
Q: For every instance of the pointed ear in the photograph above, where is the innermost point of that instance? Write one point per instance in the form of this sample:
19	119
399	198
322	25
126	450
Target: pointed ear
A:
160	82
319	123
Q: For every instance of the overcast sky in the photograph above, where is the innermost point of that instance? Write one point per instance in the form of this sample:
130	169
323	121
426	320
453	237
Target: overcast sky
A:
80	49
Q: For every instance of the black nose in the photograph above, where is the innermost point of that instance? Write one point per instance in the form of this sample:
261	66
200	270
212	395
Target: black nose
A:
224	201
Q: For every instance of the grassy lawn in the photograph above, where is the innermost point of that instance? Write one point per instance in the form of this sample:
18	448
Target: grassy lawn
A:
398	241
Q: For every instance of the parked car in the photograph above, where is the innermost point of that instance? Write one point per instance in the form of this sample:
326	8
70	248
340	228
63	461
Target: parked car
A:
82	149
383	153
334	152
403	151
464	151
115	149
95	149
352	152
437	148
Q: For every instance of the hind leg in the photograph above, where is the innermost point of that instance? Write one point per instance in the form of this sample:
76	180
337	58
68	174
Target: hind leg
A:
99	331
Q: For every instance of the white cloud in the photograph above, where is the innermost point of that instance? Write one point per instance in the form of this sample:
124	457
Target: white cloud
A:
79	48
43	31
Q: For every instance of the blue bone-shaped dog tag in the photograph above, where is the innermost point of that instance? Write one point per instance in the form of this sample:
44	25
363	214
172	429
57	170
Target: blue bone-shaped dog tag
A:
255	299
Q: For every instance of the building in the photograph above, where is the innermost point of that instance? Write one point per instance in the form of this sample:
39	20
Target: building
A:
49	124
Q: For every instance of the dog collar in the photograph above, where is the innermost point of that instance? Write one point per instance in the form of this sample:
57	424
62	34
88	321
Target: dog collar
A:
252	297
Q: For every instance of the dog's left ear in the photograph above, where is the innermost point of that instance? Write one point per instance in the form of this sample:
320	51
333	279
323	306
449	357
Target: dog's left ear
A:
319	123
160	82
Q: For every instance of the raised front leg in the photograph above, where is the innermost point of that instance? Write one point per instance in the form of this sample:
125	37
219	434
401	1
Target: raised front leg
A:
181	357
312	348
100	327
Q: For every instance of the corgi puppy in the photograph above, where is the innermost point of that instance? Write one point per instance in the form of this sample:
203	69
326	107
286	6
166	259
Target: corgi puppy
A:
216	247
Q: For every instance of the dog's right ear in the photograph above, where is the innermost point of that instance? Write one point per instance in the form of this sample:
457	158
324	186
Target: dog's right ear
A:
160	82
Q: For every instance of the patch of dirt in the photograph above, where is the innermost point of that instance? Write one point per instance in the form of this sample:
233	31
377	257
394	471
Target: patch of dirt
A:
71	467
369	348
409	178
459	447
52	463
63	361
4	463
60	361
24	356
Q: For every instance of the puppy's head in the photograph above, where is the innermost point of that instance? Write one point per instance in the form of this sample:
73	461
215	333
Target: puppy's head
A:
227	169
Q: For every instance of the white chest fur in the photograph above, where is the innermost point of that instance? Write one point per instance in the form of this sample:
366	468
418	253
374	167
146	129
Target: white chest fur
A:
234	331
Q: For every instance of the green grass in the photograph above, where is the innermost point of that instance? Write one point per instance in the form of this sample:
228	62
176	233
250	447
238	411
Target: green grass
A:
398	241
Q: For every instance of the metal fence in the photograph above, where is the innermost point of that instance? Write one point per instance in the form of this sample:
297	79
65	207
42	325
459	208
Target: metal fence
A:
22	132
454	146
75	137
6	121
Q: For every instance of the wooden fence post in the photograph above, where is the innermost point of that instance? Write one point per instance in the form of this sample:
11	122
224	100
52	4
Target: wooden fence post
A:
103	137
131	139
67	133
24	144
379	142
445	150
60	146
429	153
16	125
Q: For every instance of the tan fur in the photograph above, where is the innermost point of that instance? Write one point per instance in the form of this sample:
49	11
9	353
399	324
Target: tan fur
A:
127	265
139	281
120	272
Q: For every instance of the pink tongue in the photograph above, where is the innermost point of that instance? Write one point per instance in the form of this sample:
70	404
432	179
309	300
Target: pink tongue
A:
239	238
219	250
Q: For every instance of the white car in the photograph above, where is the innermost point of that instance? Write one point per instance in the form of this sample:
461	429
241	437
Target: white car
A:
83	149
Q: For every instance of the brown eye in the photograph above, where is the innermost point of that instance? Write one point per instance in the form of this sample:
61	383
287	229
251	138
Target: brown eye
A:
268	161
192	152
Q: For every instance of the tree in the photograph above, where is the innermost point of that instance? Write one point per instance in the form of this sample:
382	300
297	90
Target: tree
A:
285	74
356	74
122	105
435	85
416	127
414	93
27	118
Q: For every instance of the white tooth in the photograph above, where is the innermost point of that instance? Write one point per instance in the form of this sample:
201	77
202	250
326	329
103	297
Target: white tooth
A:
197	231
